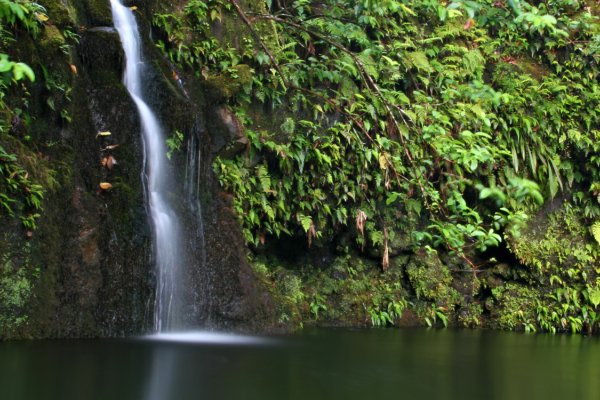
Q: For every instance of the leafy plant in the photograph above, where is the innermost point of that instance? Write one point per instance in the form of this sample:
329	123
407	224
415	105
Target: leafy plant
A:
448	122
174	143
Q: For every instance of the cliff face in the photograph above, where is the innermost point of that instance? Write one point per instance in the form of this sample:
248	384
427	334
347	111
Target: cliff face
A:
406	164
349	217
87	268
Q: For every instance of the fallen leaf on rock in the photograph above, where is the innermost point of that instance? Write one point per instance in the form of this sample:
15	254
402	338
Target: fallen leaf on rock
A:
105	133
110	147
110	162
41	17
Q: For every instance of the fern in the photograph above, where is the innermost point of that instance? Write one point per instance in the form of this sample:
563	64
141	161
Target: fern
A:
595	228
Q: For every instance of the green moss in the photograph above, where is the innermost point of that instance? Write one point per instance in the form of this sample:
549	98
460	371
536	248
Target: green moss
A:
558	244
225	86
99	12
58	13
515	306
52	38
431	280
470	316
17	279
232	33
351	291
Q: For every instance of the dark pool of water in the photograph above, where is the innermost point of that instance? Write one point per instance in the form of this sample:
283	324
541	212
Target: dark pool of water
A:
324	364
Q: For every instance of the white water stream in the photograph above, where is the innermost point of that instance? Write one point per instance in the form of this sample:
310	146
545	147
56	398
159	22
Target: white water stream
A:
156	177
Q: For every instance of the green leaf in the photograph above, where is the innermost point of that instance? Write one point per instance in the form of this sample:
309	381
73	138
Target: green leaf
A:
595	228
305	221
595	297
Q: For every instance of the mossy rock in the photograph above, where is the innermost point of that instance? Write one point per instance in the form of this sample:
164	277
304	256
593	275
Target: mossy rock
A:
231	33
100	12
51	39
58	13
102	55
221	87
431	280
556	242
512	306
470	316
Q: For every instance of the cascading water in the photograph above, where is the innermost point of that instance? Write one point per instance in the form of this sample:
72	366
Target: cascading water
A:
156	177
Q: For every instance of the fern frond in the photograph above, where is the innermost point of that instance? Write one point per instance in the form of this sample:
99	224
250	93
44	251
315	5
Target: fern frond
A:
595	229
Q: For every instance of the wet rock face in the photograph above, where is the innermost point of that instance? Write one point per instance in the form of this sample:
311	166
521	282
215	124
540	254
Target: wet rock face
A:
112	232
58	12
96	12
237	300
101	54
93	246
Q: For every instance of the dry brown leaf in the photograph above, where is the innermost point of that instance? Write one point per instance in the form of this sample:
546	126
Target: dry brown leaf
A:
469	24
110	162
312	233
105	133
361	218
385	262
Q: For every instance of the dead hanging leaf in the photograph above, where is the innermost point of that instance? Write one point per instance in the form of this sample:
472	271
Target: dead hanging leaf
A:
361	218
262	238
105	133
204	73
312	233
388	183
105	186
385	262
110	147
73	69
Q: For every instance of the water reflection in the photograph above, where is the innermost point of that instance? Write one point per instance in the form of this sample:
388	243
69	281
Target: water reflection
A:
166	361
164	369
317	365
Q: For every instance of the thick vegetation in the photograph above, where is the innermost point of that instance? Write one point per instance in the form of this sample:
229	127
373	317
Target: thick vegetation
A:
424	162
31	47
20	195
414	126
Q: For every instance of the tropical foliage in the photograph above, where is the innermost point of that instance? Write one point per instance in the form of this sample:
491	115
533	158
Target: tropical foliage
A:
20	196
392	119
449	121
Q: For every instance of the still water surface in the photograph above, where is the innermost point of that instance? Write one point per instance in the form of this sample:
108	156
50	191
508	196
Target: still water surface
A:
323	364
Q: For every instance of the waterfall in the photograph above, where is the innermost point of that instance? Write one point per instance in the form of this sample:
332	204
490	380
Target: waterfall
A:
156	177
